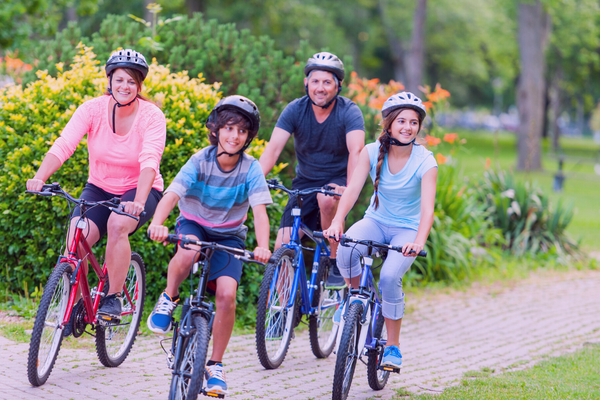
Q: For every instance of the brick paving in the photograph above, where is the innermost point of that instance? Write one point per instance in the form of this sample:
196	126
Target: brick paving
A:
503	327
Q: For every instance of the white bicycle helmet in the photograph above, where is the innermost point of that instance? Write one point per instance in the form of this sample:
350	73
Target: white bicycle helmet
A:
127	59
403	99
325	61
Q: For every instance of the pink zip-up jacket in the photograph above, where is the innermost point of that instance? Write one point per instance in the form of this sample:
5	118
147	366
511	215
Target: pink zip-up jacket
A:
115	161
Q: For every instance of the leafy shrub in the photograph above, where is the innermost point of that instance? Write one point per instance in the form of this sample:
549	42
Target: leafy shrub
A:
523	213
245	64
31	118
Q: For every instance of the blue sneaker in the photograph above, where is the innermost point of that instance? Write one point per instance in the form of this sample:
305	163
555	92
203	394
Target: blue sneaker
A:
215	379
391	357
160	319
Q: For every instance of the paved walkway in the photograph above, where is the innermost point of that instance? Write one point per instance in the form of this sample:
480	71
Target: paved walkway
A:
504	327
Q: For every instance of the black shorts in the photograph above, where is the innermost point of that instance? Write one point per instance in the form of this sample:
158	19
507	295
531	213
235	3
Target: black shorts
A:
99	215
311	215
221	263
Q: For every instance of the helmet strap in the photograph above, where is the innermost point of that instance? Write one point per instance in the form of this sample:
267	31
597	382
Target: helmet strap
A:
117	104
394	141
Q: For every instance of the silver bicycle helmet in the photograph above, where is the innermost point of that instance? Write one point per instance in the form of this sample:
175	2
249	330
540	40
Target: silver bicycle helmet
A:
238	103
326	62
403	99
127	59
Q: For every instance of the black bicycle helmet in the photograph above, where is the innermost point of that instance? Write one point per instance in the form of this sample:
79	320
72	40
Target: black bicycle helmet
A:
403	99
127	59
243	105
325	61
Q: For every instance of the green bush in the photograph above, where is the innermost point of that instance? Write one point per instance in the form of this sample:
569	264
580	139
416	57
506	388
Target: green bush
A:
32	117
245	64
523	213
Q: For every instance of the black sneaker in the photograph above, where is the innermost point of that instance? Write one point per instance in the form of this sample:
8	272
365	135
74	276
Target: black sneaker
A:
70	326
110	310
335	280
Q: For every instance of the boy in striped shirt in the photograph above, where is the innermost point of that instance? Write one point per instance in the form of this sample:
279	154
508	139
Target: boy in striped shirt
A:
214	190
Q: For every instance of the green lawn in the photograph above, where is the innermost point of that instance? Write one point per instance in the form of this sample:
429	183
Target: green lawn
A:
582	184
574	376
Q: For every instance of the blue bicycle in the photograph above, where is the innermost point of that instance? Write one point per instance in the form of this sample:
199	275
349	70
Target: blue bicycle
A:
362	326
280	306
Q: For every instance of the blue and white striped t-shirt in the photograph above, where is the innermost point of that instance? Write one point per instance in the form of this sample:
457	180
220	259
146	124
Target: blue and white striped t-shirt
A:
216	199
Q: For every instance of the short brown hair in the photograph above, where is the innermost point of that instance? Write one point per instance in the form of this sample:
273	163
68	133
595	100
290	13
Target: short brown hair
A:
229	116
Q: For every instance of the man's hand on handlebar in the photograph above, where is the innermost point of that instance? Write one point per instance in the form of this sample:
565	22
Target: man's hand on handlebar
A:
262	255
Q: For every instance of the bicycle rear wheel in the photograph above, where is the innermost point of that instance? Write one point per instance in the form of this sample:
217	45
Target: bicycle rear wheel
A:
347	353
322	330
114	342
274	320
377	378
188	374
47	333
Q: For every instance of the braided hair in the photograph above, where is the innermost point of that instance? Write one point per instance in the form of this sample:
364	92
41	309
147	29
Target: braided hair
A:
384	148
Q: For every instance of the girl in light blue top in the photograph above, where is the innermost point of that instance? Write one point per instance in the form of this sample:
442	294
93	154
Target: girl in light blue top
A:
404	175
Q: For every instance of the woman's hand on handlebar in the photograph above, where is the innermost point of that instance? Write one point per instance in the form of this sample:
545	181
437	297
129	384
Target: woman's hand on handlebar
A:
262	255
134	208
158	233
336	229
35	185
410	247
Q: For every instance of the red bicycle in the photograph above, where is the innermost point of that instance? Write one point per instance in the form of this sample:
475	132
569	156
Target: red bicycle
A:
113	341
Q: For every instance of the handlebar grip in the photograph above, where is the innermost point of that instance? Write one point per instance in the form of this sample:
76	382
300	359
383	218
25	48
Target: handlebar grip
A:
422	253
318	234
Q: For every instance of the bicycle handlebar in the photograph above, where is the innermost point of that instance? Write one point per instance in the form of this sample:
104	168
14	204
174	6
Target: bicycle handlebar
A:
113	204
345	241
326	190
243	255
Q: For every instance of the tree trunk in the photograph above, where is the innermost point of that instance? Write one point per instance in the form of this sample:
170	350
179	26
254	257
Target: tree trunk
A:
195	6
554	95
416	56
533	32
147	13
394	42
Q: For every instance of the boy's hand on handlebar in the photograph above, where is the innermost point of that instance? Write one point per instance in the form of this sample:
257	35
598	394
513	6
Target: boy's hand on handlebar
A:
34	185
158	233
262	255
410	247
134	208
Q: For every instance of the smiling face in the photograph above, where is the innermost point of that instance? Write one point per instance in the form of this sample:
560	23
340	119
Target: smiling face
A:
124	86
232	137
322	87
406	126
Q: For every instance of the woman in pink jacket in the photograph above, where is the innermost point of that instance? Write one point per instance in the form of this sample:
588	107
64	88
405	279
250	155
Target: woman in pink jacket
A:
126	139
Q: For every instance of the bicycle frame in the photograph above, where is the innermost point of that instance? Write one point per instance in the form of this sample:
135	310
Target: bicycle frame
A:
307	290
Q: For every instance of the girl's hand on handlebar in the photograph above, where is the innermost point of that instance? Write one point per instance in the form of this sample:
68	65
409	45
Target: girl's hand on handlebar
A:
134	208
409	247
262	255
335	229
158	233
34	185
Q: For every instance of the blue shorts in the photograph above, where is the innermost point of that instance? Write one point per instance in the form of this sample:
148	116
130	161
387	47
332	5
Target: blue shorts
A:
221	263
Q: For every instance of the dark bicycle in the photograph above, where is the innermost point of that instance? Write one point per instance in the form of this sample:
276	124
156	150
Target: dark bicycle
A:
280	308
113	341
191	335
362	325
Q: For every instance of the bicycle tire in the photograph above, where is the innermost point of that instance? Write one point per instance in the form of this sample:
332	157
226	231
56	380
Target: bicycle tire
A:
47	334
274	323
188	375
377	378
113	343
346	354
322	331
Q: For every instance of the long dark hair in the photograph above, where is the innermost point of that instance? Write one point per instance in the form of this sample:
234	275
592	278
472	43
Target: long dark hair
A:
384	139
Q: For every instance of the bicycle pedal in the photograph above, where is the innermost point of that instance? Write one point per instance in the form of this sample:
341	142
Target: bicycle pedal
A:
214	395
107	321
390	369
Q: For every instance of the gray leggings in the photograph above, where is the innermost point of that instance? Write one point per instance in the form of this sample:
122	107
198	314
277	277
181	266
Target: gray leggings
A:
394	267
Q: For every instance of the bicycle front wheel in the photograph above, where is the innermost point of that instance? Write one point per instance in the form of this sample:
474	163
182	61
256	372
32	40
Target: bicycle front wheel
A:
114	342
377	378
188	374
322	330
274	319
47	333
347	354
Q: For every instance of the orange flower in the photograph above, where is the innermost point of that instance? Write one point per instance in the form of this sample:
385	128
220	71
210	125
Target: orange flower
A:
428	105
441	159
441	92
353	74
432	141
360	98
488	163
450	137
355	86
372	84
377	103
433	97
